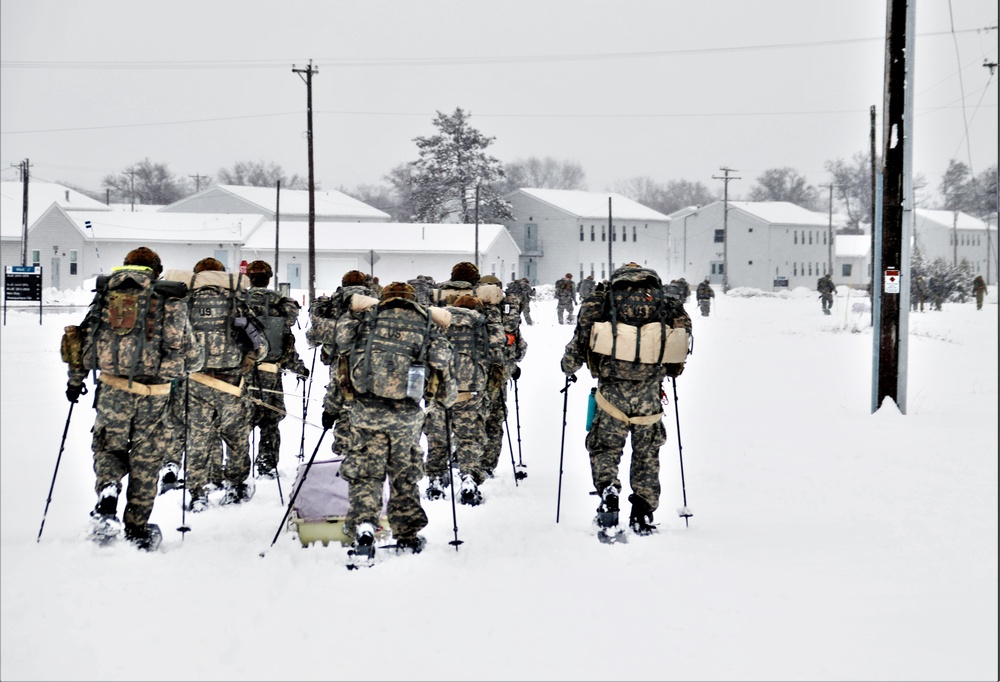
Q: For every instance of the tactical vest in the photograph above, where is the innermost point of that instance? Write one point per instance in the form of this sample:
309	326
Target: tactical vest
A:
390	339
471	347
264	303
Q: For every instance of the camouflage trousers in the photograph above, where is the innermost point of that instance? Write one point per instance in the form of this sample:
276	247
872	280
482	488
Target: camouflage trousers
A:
606	439
495	414
336	403
214	418
387	433
565	307
267	417
827	300
467	437
130	439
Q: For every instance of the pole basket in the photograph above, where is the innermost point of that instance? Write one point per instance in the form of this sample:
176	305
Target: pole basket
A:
684	512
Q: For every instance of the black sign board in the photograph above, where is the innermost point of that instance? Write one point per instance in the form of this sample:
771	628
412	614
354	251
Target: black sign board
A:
22	283
781	281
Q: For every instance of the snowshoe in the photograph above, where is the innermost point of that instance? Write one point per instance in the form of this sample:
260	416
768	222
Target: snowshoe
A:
607	510
519	473
362	551
414	544
641	518
105	529
470	494
147	539
239	493
170	478
198	503
612	536
435	489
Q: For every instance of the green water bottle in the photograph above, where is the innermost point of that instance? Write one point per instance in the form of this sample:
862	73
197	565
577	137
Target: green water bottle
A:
591	407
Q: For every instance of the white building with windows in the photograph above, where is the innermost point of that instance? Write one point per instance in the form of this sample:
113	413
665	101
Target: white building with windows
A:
560	231
956	236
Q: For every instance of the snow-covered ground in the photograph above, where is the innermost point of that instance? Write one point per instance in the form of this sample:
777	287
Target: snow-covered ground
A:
826	543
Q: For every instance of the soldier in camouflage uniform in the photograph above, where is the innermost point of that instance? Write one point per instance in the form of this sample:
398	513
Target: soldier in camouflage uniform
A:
704	295
586	287
389	349
265	383
218	406
422	285
628	392
470	343
566	298
138	335
322	332
507	348
826	289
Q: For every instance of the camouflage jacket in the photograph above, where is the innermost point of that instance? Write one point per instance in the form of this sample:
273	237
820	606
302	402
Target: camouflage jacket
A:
323	316
565	291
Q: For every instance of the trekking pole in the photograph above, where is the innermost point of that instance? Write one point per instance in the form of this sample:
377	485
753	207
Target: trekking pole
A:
562	442
451	476
184	527
510	447
517	415
305	406
295	493
62	446
683	511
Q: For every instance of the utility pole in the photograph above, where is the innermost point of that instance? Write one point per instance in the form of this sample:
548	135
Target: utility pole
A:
23	169
725	223
197	181
131	186
891	288
830	230
277	221
874	165
477	226
307	78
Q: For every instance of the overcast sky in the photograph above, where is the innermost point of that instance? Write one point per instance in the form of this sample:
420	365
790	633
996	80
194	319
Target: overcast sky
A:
669	89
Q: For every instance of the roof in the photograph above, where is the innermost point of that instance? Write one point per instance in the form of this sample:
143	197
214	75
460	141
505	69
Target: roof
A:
852	245
594	204
782	213
945	218
295	202
41	195
382	237
168	227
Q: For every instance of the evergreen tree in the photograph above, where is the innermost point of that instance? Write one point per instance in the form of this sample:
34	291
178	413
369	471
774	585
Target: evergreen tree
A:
451	165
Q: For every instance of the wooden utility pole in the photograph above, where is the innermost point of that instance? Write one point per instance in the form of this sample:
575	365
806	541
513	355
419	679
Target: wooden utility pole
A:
874	166
307	78
197	181
477	226
725	223
891	280
610	236
24	166
830	230
277	222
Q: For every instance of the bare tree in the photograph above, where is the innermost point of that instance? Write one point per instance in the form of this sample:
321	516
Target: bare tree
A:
665	198
547	173
146	183
785	184
259	174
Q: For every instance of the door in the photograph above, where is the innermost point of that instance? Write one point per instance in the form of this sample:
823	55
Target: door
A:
54	282
294	271
223	257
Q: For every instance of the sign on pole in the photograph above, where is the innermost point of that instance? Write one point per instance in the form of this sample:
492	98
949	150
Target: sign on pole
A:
891	281
22	283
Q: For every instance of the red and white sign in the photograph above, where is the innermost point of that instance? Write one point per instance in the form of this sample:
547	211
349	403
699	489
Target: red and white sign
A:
243	267
891	281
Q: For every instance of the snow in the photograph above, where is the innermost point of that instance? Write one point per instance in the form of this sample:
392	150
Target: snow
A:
827	543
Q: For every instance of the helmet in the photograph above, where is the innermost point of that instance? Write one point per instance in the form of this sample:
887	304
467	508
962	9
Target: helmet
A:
145	257
467	301
259	267
490	279
465	272
353	278
398	290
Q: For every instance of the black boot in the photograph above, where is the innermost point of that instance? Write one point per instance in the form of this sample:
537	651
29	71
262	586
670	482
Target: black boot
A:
607	510
641	518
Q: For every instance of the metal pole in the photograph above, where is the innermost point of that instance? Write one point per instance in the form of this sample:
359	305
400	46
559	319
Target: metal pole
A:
309	71
277	220
610	266
24	213
476	260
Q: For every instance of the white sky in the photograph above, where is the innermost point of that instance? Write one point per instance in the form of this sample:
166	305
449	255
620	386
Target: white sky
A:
665	89
827	543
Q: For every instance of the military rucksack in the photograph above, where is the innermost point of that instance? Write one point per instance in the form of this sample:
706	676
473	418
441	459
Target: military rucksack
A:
123	330
225	335
471	347
639	322
391	338
264	303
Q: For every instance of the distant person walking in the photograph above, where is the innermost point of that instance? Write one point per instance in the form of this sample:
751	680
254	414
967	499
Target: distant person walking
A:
826	289
979	291
566	298
704	293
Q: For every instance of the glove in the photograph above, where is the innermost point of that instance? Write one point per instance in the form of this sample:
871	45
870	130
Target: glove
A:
571	378
328	419
74	391
516	374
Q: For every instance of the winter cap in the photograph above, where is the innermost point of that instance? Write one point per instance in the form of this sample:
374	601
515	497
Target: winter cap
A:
259	267
209	264
465	272
490	279
145	257
398	290
353	278
569	275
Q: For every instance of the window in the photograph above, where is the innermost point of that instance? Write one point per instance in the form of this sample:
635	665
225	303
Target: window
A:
614	234
795	237
749	262
750	230
591	268
602	271
720	236
581	233
795	269
72	262
581	272
810	240
824	237
36	257
845	270
624	235
591	233
602	233
634	237
810	268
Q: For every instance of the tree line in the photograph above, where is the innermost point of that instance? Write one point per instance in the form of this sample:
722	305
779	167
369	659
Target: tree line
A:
453	164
